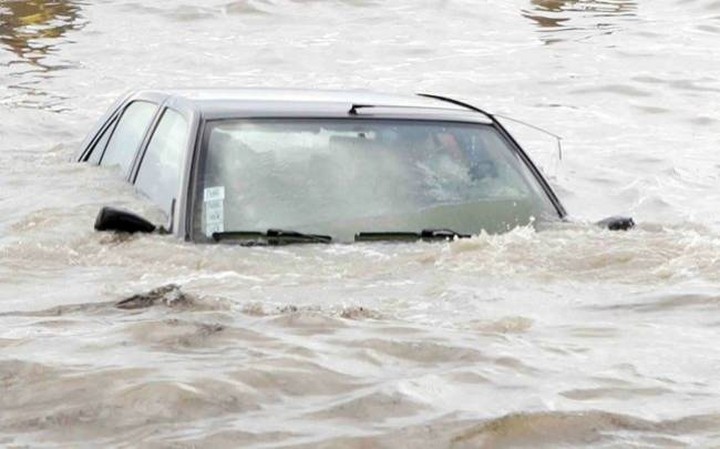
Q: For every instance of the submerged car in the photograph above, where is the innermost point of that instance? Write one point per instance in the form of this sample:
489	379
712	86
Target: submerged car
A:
271	166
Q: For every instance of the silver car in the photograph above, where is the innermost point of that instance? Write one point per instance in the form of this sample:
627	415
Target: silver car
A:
272	166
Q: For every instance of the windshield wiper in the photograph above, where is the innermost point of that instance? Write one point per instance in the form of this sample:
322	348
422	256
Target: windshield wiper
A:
270	237
425	234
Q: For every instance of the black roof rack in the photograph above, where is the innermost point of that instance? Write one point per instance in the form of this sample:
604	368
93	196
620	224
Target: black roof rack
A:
356	107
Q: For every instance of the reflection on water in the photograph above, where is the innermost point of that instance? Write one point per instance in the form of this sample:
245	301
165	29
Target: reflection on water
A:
29	28
559	15
30	32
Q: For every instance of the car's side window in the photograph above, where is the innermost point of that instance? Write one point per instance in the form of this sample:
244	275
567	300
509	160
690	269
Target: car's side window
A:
160	169
128	135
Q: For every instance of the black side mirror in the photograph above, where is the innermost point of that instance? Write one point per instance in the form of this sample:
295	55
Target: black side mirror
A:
111	219
617	223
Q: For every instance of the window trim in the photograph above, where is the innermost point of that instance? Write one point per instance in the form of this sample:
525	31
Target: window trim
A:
140	157
190	174
106	120
143	142
108	127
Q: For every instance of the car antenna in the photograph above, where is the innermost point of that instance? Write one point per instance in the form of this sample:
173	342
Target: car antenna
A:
545	131
493	117
456	102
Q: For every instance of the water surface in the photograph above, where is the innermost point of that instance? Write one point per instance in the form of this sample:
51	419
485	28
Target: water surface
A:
574	337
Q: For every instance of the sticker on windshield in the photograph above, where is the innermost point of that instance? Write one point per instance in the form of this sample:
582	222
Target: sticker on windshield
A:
214	215
214	212
214	193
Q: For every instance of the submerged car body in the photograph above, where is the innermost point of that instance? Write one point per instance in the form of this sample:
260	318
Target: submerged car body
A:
348	165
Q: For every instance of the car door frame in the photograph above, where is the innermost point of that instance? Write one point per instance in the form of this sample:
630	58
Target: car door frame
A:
176	218
163	101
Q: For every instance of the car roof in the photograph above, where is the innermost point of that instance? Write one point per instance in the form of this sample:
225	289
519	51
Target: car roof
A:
229	102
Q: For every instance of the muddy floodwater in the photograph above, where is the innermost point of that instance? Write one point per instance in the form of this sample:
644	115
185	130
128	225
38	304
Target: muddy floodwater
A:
571	337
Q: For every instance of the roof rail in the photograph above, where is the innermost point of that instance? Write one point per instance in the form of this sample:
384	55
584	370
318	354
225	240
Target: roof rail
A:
356	107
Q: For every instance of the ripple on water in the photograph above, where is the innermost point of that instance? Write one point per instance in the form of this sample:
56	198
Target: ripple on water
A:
549	429
625	394
560	20
571	337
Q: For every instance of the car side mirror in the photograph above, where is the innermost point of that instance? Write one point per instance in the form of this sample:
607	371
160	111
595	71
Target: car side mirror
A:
111	219
617	223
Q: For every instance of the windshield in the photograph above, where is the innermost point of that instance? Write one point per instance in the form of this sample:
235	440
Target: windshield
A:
344	176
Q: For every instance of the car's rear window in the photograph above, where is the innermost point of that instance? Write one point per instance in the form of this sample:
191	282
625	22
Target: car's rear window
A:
340	177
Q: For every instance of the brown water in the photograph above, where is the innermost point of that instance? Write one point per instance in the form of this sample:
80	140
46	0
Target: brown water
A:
573	337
